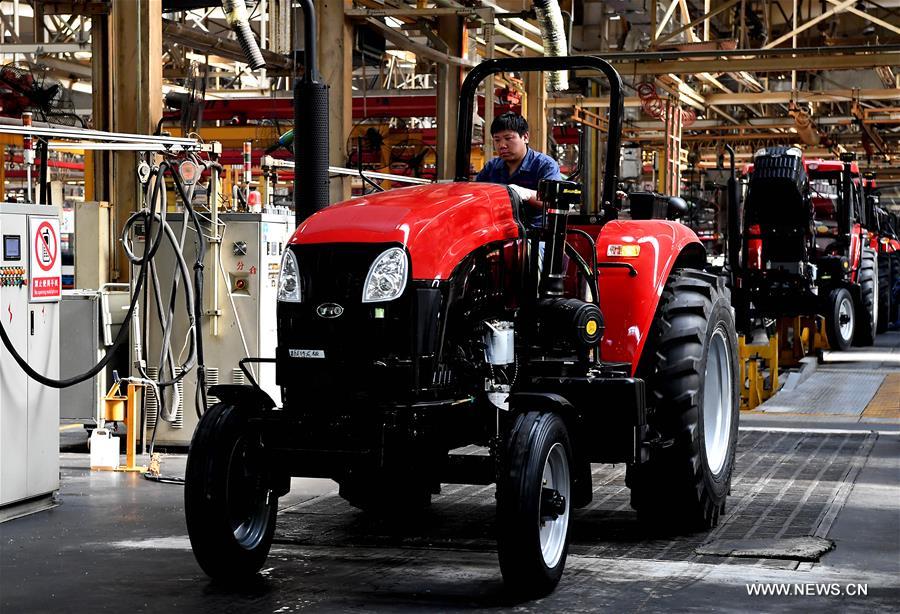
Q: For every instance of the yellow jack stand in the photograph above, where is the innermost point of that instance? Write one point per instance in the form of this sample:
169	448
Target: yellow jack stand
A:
753	385
807	334
117	408
132	427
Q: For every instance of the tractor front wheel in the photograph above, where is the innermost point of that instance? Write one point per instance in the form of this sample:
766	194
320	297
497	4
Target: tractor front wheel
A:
229	508
534	504
691	368
840	319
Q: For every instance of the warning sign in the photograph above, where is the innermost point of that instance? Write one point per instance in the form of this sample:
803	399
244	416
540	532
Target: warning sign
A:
44	283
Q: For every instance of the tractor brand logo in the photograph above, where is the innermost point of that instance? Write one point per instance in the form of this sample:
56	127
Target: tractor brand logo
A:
329	310
591	327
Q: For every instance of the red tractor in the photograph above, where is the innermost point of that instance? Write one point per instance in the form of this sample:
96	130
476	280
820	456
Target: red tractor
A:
414	322
805	247
884	240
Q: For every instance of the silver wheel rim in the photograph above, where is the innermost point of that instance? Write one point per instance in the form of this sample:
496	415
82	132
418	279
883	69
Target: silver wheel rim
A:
553	532
717	400
248	506
846	318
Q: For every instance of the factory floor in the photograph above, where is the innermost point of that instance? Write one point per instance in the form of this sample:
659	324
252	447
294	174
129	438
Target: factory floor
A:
814	512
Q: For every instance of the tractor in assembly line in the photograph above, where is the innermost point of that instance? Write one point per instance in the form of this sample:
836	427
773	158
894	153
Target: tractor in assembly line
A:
414	322
805	248
886	241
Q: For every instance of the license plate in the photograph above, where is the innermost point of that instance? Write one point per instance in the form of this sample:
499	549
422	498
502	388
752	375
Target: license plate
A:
306	353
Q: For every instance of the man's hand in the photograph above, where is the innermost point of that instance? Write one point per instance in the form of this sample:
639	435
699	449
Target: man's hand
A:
528	196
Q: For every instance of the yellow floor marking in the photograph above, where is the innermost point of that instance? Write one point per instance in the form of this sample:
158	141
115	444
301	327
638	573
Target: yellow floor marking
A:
886	402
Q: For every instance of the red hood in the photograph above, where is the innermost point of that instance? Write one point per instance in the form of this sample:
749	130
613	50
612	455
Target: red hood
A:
438	223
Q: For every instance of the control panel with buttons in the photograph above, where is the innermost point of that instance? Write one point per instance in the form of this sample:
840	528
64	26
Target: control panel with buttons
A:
13	276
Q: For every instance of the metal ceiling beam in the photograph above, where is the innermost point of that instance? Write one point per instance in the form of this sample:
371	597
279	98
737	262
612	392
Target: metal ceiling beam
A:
39	48
842	95
697	21
808	24
776	64
871	18
404	42
226	48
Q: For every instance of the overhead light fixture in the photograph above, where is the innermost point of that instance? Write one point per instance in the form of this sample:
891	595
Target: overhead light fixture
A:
615	17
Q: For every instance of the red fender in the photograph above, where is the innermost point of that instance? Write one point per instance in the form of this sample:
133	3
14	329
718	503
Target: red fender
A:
438	223
629	302
856	238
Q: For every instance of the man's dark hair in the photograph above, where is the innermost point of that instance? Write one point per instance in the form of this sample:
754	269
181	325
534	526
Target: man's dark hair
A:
509	121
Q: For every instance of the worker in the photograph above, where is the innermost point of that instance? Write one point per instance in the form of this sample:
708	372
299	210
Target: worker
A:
518	165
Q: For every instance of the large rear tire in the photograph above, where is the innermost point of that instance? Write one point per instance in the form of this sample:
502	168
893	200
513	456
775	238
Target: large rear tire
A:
534	504
867	314
229	508
895	279
690	364
885	286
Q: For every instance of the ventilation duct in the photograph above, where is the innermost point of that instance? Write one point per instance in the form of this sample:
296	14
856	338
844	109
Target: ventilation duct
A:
553	34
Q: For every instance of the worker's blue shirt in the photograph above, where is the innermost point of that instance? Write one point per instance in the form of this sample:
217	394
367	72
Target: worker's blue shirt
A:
534	167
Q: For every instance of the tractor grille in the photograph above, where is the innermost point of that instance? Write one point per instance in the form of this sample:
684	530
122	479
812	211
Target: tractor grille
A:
358	346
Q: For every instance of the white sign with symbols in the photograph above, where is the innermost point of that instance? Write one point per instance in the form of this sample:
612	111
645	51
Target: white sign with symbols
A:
44	281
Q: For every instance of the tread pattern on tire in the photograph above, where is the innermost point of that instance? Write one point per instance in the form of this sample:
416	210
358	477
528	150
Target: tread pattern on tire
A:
672	487
518	547
212	538
885	285
867	279
895	278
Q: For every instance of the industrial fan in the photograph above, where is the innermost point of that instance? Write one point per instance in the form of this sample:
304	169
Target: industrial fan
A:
25	88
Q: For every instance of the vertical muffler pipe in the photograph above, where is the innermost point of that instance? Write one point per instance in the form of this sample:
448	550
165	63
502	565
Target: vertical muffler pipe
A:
311	183
734	221
239	22
553	35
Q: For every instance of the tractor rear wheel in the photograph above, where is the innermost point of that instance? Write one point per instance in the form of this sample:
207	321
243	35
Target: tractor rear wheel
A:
690	365
534	504
867	314
885	286
895	279
229	508
840	319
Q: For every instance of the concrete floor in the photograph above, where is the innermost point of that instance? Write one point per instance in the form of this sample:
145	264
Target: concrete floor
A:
118	542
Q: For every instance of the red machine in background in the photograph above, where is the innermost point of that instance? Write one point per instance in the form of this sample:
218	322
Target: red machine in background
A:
884	239
805	248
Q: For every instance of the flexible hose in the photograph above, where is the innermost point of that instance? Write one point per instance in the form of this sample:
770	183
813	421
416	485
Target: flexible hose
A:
553	35
239	21
120	337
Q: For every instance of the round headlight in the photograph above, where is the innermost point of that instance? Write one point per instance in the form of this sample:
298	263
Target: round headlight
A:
387	276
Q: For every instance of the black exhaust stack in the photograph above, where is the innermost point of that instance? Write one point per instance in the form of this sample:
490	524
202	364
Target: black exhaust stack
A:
311	183
734	222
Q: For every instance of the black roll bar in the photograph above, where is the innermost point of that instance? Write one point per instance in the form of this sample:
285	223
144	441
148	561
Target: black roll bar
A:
541	64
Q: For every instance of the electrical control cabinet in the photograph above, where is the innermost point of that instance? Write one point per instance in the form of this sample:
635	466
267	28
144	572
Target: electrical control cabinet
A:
30	288
239	300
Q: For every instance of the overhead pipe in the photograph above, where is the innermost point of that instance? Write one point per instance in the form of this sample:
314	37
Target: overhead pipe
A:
311	182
